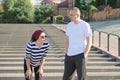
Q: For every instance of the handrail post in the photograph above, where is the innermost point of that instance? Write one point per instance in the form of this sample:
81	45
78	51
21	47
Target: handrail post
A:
108	39
118	46
93	36
99	39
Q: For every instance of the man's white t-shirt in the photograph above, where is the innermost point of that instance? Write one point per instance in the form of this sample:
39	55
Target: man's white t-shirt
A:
77	34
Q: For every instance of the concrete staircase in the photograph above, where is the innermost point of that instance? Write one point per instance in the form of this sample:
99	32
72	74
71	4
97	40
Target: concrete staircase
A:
102	67
99	66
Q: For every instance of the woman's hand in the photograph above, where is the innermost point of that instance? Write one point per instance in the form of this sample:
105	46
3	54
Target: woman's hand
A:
28	74
40	71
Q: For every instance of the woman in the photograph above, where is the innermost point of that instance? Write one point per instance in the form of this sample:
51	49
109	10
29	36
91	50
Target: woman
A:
36	50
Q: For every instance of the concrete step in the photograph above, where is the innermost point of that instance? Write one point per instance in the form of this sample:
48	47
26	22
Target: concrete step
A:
52	58
91	75
102	63
14	69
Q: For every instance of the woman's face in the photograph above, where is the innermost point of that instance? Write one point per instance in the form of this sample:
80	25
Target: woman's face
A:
42	37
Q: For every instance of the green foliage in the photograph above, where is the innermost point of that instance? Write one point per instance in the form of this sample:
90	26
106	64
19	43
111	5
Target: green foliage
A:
93	8
118	3
37	17
45	21
43	13
84	6
1	8
59	17
18	11
8	5
101	3
67	19
77	3
46	10
112	3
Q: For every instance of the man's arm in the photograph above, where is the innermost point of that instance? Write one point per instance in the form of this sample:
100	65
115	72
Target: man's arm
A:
67	44
88	46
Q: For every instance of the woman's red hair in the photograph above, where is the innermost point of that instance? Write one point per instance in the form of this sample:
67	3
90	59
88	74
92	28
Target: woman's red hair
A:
36	35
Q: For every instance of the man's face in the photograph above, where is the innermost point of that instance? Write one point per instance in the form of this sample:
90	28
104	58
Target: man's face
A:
73	16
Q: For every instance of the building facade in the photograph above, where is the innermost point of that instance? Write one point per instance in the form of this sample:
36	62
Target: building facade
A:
64	7
61	7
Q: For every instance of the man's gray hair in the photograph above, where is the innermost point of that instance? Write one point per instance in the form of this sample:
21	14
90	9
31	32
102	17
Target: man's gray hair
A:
77	10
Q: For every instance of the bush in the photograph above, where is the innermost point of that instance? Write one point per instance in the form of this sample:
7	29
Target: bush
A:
67	19
59	17
46	21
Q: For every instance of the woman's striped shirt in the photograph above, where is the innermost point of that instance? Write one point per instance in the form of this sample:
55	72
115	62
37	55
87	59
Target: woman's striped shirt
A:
34	53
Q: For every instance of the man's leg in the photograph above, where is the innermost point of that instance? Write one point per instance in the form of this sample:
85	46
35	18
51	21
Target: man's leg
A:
81	67
69	68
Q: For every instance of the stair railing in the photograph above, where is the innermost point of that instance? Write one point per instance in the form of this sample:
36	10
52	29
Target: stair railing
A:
107	41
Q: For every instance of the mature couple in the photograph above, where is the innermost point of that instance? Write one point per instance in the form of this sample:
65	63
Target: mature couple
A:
78	44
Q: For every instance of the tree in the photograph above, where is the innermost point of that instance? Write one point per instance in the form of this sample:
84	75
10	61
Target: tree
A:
118	3
84	6
43	13
78	3
100	4
1	8
18	11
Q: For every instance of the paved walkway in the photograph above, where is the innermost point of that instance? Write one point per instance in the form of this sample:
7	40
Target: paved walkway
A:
103	24
109	26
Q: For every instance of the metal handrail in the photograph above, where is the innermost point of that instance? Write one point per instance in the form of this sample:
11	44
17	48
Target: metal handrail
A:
108	39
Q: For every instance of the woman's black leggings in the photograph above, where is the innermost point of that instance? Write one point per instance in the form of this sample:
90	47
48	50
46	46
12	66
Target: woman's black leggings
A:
37	77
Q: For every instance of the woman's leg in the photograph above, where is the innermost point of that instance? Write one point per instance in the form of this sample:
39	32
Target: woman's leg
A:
37	77
25	69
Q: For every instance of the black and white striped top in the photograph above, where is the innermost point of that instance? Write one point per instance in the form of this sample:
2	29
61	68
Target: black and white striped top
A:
34	53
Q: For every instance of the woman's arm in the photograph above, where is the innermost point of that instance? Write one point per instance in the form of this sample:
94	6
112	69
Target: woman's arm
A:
28	72
28	64
40	70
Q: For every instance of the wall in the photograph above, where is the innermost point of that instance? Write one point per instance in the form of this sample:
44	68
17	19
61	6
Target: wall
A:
103	15
65	9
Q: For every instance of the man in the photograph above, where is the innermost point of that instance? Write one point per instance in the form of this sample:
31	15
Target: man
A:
78	44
